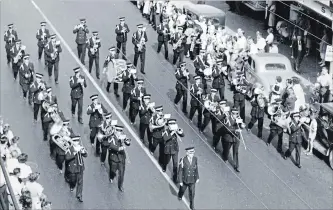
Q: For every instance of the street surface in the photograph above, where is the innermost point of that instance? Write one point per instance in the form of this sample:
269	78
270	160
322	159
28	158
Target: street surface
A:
266	180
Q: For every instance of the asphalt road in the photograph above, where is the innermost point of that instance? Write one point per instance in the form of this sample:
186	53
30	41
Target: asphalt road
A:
265	181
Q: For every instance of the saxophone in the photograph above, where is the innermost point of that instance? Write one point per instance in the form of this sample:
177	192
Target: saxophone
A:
142	42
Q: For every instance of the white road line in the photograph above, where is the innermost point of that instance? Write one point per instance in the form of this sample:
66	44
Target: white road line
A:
121	118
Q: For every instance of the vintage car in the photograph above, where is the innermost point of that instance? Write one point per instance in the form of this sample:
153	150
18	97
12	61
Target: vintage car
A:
194	11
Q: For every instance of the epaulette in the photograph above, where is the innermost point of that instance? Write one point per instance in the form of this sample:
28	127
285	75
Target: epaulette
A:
71	79
113	141
192	88
181	162
117	26
89	107
165	133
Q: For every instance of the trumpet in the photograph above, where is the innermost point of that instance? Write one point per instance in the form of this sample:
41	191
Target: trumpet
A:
186	73
142	42
98	107
211	106
55	54
179	131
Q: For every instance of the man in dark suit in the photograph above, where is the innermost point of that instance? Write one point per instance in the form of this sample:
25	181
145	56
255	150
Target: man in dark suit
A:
36	88
17	53
93	45
214	99
145	113
26	76
196	100
81	30
163	38
10	38
128	78
136	98
257	111
139	40
52	51
182	76
188	175
75	167
77	83
178	44
298	51
121	31
42	35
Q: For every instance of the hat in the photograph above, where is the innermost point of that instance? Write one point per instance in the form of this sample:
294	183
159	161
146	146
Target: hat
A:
119	127
43	23
33	176
82	19
93	97
197	78
190	149
65	122
182	64
18	41
234	110
172	121
218	61
76	138
10	25
54	104
76	70
296	80
26	56
180	27
140	25
213	90
49	89
223	101
129	64
278	100
159	108
147	96
140	81
112	48
122	18
3	138
95	32
295	114
202	51
53	36
108	115
39	75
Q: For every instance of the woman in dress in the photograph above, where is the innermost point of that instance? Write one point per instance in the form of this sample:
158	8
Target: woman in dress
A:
25	169
15	183
36	190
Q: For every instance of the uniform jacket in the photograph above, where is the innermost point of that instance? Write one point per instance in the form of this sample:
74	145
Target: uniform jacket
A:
35	90
161	36
175	39
171	142
295	135
181	80
200	63
157	132
214	99
26	74
145	115
196	100
136	39
219	120
72	161
95	117
13	53
114	154
121	37
42	40
135	95
10	41
77	89
90	45
238	96
230	131
128	82
49	49
218	79
81	35
256	111
188	173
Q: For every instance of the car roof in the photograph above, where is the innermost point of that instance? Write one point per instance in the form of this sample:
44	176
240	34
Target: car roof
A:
181	4
328	107
205	10
261	59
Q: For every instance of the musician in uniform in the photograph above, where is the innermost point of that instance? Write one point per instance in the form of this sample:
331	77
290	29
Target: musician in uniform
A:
220	116
38	88
188	175
182	75
17	54
96	111
145	112
109	60
156	126
104	135
26	72
75	167
295	139
128	78
42	35
258	102
49	99
46	122
275	129
218	78
10	38
163	38
213	99
326	86
117	156
178	40
77	83
93	44
121	31
52	51
171	147
200	64
240	91
81	30
136	99
139	40
196	100
54	113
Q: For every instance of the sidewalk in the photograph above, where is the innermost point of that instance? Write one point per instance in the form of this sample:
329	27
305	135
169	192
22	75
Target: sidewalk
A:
309	66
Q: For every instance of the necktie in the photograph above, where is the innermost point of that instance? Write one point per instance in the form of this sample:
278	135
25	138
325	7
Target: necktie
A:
190	160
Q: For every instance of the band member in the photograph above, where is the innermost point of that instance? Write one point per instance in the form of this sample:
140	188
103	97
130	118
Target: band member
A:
46	122
275	130
26	71
171	147
93	44
75	167
196	100
42	35
178	42
121	30
10	38
104	135
325	81
240	91
49	99
295	138
128	78
139	40
52	51
96	111
111	72
38	88
258	102
218	78
200	64
313	127
54	111
146	110
163	38
276	90
182	75
77	83
209	111
136	99
17	54
117	156
156	126
81	30
188	175
220	114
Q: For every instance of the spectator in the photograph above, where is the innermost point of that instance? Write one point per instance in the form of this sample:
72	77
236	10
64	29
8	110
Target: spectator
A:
14	146
322	48
12	162
36	190
271	15
298	49
4	151
25	169
16	185
269	39
273	48
307	37
4	203
261	42
7	132
253	49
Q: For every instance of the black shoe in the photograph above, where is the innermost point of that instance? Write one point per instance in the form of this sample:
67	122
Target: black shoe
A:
284	156
164	170
111	181
79	199
267	144
72	189
121	189
237	170
80	121
299	165
57	82
179	198
143	72
117	95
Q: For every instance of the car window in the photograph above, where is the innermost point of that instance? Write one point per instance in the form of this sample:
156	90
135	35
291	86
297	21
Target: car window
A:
215	21
275	67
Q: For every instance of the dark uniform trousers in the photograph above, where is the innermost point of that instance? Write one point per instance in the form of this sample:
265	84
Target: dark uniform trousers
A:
79	102
196	106
117	162
178	54
229	141
182	93
142	56
50	65
166	49
126	97
15	68
95	58
37	106
81	52
45	128
171	150
160	143
143	129
276	130
292	146
76	179
104	150
114	167
239	103
257	114
208	117
167	158
191	192
60	157
134	110
295	142
122	46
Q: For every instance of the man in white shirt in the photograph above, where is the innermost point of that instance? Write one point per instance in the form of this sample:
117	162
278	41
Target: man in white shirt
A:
326	86
241	41
181	19
273	48
253	49
261	42
270	36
